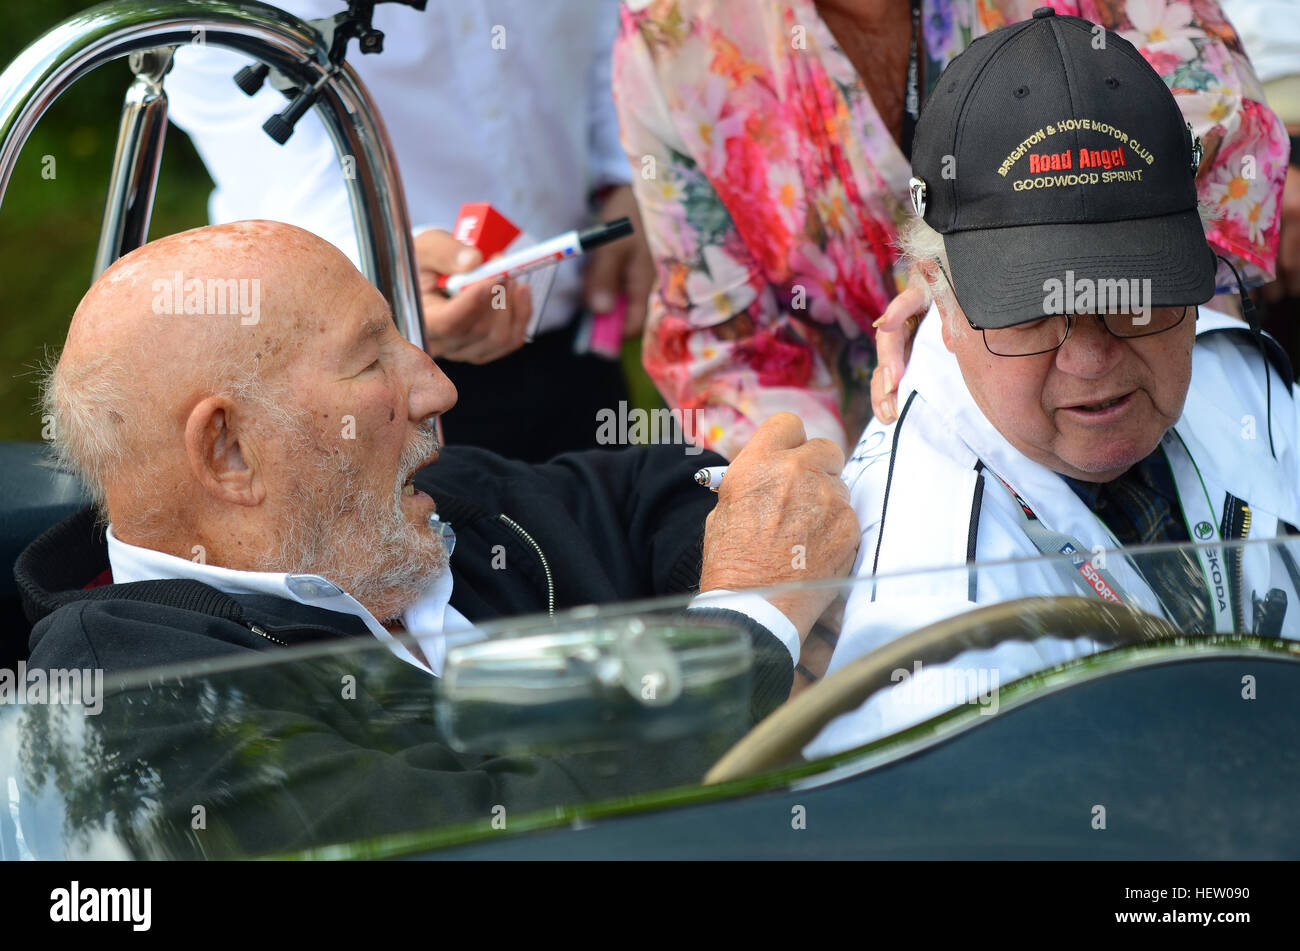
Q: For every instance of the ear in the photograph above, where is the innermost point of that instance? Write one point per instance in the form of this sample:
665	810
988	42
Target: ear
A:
220	456
930	274
944	328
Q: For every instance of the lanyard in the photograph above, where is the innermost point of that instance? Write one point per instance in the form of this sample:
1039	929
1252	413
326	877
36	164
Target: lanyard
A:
1199	517
1217	571
1221	572
912	91
1092	579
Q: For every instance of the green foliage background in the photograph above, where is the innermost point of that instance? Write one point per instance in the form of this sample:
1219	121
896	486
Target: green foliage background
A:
49	227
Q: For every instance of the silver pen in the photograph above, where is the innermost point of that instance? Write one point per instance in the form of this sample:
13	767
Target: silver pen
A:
711	476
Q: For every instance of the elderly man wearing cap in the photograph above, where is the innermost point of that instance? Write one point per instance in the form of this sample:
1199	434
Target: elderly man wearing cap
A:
1070	395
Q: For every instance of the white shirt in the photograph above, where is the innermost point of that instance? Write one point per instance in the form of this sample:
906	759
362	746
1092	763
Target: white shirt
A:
931	517
504	101
429	619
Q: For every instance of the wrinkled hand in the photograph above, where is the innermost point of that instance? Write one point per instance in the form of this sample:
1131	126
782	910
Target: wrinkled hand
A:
895	331
484	321
622	267
783	515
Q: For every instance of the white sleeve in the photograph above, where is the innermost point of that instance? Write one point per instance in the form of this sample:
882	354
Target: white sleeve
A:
300	182
1292	422
758	608
609	163
1270	33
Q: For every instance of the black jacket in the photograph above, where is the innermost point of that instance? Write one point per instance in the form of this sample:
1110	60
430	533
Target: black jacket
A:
610	525
591	527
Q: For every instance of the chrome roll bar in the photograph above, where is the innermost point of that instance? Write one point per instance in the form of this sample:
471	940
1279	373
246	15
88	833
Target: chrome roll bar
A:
134	177
152	29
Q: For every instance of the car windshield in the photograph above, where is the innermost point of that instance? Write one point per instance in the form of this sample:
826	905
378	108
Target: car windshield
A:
344	750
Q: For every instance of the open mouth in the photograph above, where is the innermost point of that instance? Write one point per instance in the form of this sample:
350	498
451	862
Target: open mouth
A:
408	484
1113	404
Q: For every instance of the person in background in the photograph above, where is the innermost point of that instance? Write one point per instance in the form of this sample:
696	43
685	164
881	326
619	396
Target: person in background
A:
1270	31
1037	420
771	146
502	101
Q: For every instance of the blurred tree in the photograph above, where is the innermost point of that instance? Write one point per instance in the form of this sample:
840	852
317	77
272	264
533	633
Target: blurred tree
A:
49	227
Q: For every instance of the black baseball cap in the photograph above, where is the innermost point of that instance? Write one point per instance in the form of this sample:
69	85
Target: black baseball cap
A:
1050	145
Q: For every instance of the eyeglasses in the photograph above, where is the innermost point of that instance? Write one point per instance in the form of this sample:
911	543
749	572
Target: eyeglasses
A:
1045	335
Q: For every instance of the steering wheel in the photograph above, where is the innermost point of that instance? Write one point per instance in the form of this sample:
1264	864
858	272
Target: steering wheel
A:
779	738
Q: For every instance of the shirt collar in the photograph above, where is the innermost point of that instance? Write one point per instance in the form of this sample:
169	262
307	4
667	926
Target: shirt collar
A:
426	618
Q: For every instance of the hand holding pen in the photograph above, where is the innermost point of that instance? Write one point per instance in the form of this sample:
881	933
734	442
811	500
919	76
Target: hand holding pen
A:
476	312
711	477
544	253
467	327
784	516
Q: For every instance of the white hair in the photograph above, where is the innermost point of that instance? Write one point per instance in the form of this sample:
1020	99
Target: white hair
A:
920	249
99	431
93	426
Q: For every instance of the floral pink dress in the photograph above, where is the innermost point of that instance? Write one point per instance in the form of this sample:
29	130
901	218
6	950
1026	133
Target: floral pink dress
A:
771	190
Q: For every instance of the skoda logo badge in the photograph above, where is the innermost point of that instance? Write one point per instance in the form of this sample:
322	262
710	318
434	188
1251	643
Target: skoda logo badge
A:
1204	530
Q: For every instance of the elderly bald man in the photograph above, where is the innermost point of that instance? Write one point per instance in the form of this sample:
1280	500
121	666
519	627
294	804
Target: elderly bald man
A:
288	456
267	478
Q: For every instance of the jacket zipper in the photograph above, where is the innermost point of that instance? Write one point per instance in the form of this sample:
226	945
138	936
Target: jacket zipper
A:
257	630
546	568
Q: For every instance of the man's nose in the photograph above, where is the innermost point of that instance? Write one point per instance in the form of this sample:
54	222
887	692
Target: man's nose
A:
431	392
1091	350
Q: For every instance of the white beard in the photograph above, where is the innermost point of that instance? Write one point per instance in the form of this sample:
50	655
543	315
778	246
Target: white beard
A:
362	542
